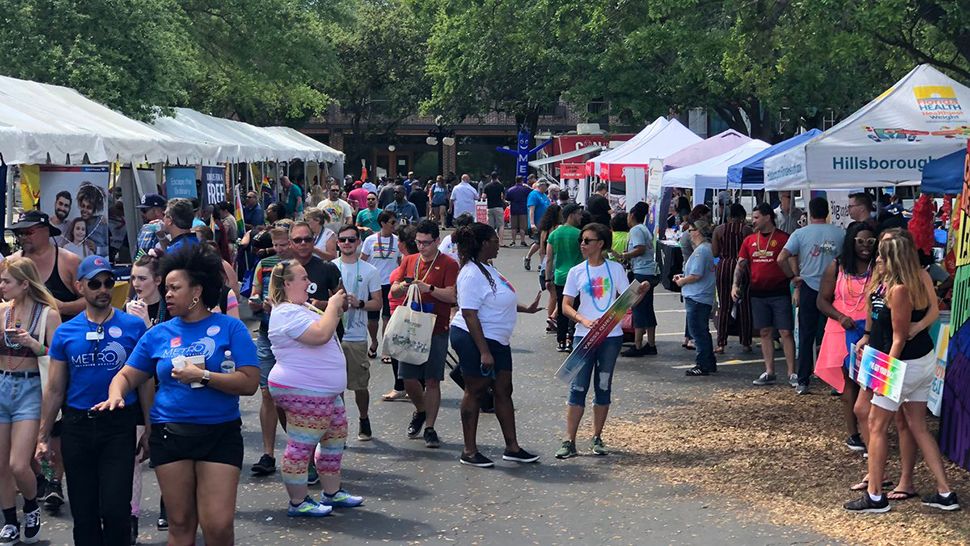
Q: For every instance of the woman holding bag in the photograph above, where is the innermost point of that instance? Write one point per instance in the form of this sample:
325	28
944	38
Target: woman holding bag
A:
480	335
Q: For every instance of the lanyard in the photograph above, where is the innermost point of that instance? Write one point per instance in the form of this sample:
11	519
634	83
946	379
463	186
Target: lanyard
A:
589	279
417	265
382	253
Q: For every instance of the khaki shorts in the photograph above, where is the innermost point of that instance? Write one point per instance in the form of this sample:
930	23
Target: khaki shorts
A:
358	365
519	222
496	218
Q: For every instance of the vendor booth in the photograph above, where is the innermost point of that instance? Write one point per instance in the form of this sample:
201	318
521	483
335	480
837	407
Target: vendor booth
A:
711	173
669	139
750	173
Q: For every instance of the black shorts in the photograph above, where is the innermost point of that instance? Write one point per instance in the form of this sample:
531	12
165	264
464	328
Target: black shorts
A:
385	305
219	443
56	429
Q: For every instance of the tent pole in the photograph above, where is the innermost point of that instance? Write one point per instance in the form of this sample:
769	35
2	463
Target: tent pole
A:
11	196
129	198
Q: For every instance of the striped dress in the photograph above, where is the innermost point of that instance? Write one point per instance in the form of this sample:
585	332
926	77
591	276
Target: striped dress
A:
729	238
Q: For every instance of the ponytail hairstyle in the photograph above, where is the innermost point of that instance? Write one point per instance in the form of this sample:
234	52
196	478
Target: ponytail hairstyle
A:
25	270
282	272
469	241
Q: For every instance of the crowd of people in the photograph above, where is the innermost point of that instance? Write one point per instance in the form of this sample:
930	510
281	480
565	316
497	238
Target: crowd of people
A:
90	390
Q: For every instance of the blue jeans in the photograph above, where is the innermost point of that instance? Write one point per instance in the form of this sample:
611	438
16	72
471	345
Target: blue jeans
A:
602	360
698	322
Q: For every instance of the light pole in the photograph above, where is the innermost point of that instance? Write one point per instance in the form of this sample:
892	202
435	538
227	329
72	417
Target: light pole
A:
440	136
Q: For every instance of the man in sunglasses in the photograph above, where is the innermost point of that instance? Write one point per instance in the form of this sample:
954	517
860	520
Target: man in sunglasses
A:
404	210
804	258
362	282
98	447
340	211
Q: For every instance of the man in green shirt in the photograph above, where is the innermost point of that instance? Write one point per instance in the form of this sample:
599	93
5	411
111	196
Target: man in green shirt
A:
562	253
367	218
294	199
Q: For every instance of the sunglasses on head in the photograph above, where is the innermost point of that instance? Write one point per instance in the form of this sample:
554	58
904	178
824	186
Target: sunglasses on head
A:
346	239
95	284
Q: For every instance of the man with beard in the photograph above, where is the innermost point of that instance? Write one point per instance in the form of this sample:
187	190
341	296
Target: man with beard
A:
62	209
98	447
55	265
90	205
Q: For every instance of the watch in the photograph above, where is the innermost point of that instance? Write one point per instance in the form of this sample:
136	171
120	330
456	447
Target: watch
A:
431	290
206	376
360	304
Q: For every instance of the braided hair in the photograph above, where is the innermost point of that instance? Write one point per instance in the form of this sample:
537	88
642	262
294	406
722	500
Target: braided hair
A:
469	241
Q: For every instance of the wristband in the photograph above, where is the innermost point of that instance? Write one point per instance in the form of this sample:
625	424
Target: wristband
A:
360	304
866	332
431	290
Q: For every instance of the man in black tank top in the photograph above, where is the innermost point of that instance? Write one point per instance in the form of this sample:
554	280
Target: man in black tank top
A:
57	266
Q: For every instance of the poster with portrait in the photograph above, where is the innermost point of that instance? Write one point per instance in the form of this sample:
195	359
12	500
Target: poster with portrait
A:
76	199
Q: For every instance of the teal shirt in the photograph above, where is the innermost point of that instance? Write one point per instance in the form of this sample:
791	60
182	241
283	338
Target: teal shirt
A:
368	218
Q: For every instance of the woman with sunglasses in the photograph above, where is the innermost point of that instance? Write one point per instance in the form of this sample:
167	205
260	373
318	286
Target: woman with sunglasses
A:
307	383
842	298
596	282
902	306
324	239
27	306
480	335
204	362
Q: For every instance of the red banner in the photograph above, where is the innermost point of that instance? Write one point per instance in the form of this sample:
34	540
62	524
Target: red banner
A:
572	171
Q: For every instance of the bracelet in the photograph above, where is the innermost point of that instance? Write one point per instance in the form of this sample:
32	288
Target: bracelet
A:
866	332
43	350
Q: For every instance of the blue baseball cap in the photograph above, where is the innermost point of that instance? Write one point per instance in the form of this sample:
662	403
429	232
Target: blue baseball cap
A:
92	265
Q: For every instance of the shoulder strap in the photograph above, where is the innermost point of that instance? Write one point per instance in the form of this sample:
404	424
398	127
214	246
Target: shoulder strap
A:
42	324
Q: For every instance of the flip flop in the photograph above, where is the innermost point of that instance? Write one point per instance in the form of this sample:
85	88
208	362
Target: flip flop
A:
385	360
371	353
864	484
901	495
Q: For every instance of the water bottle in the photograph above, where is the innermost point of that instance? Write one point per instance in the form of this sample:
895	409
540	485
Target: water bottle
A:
228	366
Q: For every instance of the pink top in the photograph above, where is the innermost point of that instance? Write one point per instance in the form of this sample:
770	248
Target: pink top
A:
850	295
360	196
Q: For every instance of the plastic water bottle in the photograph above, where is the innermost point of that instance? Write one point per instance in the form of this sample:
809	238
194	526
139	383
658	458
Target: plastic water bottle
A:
228	366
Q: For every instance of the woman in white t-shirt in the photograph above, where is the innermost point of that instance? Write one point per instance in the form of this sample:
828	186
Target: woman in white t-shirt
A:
480	334
324	239
306	383
597	282
380	250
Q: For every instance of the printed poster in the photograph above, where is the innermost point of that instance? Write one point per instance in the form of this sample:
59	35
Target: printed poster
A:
880	373
213	184
76	199
935	399
180	182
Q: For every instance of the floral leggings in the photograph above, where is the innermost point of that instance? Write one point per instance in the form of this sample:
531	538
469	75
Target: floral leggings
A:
316	423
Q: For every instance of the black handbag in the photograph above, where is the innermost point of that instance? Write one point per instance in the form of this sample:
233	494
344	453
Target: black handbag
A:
487	400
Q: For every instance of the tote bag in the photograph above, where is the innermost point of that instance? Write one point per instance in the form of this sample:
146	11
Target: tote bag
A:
407	336
43	362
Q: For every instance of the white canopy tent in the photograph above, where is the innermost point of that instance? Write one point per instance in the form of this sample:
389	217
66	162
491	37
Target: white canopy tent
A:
665	141
593	165
922	117
710	173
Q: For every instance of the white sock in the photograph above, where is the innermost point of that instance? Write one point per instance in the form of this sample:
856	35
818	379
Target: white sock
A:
875	498
946	495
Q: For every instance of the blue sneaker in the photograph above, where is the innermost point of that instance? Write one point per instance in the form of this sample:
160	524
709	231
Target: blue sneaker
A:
309	508
341	499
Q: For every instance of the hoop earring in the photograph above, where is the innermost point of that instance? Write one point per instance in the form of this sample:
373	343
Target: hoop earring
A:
195	301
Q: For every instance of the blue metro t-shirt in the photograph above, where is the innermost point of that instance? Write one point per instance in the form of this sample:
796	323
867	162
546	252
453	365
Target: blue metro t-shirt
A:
92	364
213	336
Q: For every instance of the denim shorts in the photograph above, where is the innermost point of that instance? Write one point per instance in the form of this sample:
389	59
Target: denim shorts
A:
19	399
264	353
470	359
598	366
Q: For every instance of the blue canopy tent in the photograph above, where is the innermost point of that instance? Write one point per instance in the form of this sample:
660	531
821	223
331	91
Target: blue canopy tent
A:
944	176
750	173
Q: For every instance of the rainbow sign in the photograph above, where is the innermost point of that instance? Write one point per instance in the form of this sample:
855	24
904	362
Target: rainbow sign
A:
879	372
599	332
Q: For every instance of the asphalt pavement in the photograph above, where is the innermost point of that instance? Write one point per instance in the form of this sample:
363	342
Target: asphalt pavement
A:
424	496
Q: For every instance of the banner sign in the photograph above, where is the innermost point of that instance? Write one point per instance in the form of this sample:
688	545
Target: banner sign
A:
877	371
598	333
939	374
180	182
214	182
572	171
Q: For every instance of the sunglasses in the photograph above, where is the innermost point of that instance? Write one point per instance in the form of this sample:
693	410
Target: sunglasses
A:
346	239
95	284
424	243
868	241
585	241
302	240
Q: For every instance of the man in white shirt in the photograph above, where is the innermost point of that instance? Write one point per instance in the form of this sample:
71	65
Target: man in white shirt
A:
340	211
363	285
463	197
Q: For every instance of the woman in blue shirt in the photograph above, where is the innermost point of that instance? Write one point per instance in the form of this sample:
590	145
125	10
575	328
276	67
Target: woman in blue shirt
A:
196	443
697	288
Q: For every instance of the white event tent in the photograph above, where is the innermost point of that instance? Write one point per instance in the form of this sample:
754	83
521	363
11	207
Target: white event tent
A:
710	173
924	116
664	142
593	165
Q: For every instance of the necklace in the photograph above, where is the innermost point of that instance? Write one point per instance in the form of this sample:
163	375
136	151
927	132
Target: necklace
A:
762	252
417	265
589	280
852	298
390	247
98	332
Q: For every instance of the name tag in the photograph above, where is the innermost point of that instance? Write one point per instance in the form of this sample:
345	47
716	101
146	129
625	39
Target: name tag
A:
94	336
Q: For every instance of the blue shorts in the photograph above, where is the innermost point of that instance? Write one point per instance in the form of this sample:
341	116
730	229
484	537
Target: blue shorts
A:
470	359
264	352
19	398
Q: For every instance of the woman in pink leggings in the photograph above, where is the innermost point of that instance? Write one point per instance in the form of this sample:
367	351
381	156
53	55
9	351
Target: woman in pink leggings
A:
306	383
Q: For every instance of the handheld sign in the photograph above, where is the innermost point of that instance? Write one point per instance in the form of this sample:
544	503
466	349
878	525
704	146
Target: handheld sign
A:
881	373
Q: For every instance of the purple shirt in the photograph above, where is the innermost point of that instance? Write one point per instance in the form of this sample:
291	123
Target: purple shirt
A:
518	196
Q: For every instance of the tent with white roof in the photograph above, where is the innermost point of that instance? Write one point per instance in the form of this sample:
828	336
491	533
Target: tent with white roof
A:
666	141
924	116
710	173
593	165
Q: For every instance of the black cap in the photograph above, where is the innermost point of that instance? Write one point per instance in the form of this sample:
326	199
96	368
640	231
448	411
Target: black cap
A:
569	209
150	200
33	218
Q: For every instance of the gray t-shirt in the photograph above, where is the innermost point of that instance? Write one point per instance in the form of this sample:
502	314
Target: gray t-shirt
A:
646	263
816	245
700	263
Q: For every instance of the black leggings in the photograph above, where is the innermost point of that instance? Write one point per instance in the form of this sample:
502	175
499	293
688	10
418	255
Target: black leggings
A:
565	327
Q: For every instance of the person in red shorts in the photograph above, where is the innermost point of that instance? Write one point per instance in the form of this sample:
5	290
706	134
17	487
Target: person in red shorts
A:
771	306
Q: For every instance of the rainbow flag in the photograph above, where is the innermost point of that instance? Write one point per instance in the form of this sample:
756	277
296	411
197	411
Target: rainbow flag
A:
880	372
600	331
238	213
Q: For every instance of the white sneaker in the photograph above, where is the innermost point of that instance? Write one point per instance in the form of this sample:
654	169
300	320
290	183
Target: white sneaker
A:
9	535
764	379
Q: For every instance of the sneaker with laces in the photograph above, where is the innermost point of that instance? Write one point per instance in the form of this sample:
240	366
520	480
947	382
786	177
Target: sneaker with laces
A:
477	459
793	380
802	390
265	466
865	505
431	438
527	263
855	443
31	526
309	508
55	496
312	477
950	503
598	447
633	351
764	379
520	456
341	499
9	535
567	450
417	421
364	433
